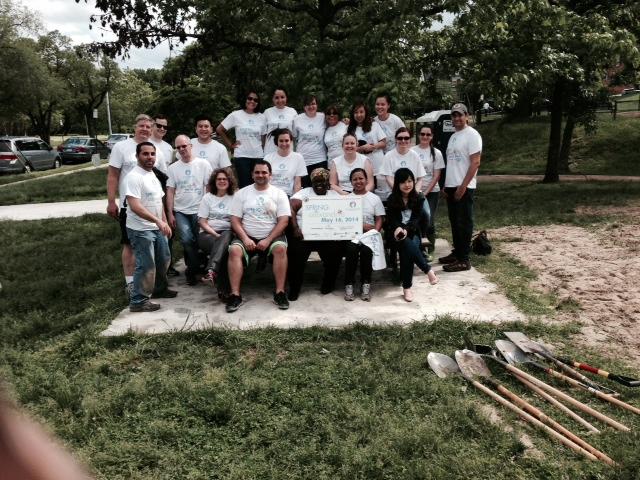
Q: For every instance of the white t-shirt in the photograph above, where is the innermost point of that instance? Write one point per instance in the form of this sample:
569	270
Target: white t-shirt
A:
217	211
190	181
309	133
371	207
146	187
373	136
164	154
304	195
213	152
390	126
430	165
277	118
462	145
249	128
344	169
123	156
333	140
285	170
393	161
260	209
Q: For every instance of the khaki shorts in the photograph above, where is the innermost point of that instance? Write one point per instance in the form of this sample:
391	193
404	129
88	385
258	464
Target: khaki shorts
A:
280	240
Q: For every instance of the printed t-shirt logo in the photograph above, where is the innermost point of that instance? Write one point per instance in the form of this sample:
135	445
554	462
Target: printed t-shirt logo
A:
282	166
403	163
202	154
281	117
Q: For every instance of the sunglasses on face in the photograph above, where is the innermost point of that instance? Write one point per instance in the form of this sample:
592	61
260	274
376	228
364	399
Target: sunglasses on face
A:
403	139
252	99
160	126
426	134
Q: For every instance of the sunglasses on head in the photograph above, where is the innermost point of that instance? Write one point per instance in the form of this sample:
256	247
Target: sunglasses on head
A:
160	126
252	99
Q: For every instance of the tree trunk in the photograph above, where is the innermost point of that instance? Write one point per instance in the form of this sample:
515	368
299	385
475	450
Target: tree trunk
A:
565	149
551	175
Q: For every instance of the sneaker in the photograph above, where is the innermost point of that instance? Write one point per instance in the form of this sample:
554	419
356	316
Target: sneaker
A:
233	303
365	294
293	295
172	272
451	258
144	307
166	294
348	293
280	299
457	266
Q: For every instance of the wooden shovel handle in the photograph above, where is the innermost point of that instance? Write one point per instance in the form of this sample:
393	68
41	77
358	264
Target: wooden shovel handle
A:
525	416
569	399
627	381
540	415
561	406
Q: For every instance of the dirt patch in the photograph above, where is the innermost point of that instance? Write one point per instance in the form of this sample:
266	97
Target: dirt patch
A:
596	276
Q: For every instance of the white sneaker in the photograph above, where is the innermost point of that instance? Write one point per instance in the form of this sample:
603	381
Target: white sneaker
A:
348	293
366	292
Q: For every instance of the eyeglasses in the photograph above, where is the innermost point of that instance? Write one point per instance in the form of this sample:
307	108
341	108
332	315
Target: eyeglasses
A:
426	134
252	99
180	147
403	139
160	126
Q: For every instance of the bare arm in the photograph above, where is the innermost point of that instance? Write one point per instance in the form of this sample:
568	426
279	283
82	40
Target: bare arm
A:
296	205
113	177
297	184
136	207
225	138
473	169
368	167
419	184
204	225
434	180
333	180
171	194
236	226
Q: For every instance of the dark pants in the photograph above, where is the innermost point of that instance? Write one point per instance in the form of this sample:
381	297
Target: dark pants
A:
461	219
353	251
298	253
306	181
410	255
215	248
433	199
243	166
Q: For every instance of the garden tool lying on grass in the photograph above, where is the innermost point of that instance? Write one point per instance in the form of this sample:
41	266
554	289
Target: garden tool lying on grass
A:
445	366
472	365
535	348
486	350
513	354
626	381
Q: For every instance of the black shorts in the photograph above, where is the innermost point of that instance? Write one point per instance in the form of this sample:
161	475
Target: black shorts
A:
122	217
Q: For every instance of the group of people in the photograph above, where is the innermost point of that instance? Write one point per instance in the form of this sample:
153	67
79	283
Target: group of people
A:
226	213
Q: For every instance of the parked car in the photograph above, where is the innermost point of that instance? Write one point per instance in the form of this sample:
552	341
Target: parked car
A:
115	138
24	154
80	149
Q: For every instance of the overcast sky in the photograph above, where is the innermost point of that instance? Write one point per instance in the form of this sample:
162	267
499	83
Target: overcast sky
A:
72	20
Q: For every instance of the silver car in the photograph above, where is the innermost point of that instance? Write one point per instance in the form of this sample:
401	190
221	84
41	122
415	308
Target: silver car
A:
115	138
24	154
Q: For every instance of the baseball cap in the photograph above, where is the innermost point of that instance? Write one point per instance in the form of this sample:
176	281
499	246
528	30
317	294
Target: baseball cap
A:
460	108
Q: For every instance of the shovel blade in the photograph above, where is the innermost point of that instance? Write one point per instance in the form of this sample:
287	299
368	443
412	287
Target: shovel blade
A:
511	353
442	365
471	364
525	343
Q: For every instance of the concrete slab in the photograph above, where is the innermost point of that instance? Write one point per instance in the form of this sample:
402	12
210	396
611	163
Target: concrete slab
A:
39	211
468	295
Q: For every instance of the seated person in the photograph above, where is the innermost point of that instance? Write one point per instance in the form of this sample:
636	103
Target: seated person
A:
299	249
259	215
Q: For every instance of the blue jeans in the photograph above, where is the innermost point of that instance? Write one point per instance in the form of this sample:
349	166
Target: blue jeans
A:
410	254
187	225
152	255
461	219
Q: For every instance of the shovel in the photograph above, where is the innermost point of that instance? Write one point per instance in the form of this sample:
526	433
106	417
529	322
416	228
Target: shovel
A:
445	366
529	346
626	381
472	365
593	391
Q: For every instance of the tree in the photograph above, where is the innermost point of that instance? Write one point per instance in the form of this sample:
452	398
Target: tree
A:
559	47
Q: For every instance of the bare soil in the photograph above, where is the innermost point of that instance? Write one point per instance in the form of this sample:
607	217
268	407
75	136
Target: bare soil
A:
594	273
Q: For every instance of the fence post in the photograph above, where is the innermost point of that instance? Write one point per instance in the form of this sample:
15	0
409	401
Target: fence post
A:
615	109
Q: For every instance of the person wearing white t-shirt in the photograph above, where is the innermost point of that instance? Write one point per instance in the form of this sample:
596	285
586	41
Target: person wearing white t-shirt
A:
148	230
371	142
299	249
433	164
288	166
389	122
342	166
164	151
403	157
277	117
334	133
308	129
463	160
121	161
207	148
186	185
259	216
249	126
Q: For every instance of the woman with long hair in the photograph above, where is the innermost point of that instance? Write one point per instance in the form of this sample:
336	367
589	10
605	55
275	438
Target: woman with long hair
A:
405	212
433	163
277	117
249	126
342	166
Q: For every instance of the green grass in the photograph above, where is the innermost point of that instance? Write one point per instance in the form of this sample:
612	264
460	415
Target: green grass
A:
520	147
83	185
7	179
273	403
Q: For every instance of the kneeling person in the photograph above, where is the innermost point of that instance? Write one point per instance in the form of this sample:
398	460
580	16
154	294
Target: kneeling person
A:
259	215
148	230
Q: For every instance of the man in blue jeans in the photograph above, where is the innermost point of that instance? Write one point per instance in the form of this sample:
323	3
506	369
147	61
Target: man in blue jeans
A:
186	185
147	229
463	160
